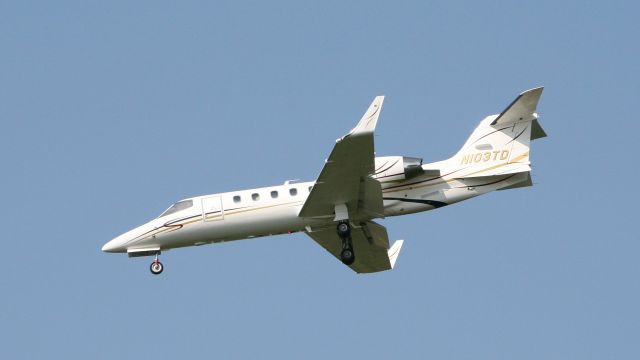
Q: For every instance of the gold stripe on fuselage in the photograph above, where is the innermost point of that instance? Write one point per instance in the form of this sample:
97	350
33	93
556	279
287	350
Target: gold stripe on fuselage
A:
410	187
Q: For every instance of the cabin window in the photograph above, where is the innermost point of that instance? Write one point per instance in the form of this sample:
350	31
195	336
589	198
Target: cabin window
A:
293	191
310	187
236	199
274	194
255	196
180	205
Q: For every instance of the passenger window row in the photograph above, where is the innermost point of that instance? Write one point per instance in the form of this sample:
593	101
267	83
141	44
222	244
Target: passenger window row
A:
274	195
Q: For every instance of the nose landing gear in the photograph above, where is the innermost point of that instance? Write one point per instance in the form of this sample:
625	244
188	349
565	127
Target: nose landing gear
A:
156	266
344	232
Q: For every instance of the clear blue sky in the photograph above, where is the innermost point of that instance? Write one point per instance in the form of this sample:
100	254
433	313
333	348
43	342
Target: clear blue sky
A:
110	111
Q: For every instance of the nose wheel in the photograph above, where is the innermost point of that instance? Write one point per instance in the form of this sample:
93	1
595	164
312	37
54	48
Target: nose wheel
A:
347	255
156	266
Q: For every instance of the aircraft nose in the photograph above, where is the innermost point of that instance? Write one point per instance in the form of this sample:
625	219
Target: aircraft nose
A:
114	246
132	237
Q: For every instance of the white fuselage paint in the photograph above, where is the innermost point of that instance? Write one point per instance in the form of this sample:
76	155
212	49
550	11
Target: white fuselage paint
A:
217	217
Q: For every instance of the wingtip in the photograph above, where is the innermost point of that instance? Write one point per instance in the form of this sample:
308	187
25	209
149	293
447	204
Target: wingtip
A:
377	102
537	89
394	252
527	101
370	118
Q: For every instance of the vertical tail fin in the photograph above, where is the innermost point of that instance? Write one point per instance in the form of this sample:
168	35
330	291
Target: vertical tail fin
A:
500	143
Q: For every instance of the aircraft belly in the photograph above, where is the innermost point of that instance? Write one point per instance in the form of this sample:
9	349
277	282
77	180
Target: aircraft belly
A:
256	225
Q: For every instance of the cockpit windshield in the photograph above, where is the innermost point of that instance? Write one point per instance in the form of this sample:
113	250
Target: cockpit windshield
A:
180	205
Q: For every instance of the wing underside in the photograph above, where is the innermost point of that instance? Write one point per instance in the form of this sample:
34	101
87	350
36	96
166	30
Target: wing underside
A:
370	246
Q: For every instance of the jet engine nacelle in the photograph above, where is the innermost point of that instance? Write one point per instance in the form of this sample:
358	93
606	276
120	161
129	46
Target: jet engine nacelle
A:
395	168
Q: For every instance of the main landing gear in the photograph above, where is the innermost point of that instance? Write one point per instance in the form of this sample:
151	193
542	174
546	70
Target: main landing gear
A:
344	232
156	266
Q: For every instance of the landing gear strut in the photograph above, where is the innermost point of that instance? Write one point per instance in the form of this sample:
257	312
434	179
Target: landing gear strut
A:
344	232
156	266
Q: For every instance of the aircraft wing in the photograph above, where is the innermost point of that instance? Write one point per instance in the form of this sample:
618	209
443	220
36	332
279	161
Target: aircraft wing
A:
370	246
344	179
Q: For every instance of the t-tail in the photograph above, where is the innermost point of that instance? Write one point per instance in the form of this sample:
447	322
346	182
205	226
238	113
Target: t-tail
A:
500	143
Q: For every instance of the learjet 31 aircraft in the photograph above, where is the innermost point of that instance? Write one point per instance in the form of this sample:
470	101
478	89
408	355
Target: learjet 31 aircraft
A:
354	188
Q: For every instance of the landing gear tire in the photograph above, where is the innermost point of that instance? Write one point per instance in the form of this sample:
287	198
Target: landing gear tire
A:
344	230
156	267
347	256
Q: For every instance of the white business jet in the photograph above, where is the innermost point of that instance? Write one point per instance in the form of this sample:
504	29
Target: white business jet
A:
353	188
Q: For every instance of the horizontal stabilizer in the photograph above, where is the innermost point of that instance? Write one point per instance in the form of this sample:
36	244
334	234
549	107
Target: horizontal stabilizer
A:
537	131
522	108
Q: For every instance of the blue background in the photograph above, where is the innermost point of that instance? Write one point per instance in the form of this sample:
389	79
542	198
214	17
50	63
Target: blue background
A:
111	111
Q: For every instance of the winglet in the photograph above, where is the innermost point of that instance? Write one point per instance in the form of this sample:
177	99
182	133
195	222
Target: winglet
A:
522	108
370	118
394	251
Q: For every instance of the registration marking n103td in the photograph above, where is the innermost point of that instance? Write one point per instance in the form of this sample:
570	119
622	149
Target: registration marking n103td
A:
485	156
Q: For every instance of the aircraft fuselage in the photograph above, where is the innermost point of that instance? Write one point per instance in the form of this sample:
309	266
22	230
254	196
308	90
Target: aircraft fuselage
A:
353	188
254	213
